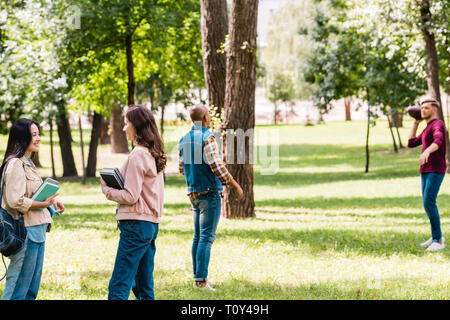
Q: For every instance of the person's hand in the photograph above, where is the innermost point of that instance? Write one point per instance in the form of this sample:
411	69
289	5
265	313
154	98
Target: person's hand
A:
59	206
417	121
239	192
102	182
238	189
424	157
49	201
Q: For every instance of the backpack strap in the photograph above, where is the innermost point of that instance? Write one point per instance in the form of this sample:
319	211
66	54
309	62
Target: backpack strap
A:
3	180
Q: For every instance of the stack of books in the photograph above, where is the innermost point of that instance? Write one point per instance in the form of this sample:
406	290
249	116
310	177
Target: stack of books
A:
112	178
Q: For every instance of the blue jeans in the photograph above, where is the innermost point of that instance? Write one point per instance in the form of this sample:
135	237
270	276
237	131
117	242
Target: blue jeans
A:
24	272
133	268
206	209
431	182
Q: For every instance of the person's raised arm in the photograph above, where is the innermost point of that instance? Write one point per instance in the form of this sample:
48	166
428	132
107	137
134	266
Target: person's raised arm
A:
414	141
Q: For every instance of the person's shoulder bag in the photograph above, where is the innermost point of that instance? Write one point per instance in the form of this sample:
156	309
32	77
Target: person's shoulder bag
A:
12	231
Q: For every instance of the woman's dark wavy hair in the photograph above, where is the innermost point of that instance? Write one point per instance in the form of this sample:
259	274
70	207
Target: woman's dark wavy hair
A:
147	133
19	140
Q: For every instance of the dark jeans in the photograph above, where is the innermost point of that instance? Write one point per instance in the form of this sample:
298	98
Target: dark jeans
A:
431	182
133	268
24	272
206	210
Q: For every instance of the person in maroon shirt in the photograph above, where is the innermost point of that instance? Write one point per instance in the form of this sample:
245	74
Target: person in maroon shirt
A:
432	166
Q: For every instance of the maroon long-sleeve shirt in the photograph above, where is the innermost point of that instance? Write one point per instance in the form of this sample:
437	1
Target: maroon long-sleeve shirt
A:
434	132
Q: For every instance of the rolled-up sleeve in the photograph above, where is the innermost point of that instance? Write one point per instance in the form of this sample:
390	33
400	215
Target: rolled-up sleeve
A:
414	142
138	167
15	187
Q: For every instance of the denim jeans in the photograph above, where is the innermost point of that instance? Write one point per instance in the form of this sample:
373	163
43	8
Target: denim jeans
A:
133	268
24	272
431	182
206	210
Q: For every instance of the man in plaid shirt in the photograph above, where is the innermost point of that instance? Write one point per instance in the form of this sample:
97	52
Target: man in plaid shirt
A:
205	173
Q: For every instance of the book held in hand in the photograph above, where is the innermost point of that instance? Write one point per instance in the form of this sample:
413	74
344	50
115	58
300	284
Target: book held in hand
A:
48	188
112	178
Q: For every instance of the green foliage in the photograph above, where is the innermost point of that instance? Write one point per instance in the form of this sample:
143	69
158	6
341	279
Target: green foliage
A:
166	45
367	47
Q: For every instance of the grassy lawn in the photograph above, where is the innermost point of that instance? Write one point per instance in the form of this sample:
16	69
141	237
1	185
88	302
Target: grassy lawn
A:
323	228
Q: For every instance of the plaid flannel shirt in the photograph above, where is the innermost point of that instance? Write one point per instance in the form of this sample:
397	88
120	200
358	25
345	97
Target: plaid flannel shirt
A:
212	158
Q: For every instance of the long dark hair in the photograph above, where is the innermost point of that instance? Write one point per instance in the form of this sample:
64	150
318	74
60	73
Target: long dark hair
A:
19	140
147	133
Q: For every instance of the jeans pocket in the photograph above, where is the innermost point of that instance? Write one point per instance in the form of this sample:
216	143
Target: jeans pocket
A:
147	230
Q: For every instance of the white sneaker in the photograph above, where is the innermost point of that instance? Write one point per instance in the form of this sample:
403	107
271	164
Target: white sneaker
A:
435	246
203	285
429	242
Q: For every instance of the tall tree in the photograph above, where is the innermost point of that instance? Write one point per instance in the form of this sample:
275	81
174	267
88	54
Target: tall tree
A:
214	28
239	110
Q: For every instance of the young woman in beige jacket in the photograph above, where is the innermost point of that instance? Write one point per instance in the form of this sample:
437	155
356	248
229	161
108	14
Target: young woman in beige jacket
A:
21	180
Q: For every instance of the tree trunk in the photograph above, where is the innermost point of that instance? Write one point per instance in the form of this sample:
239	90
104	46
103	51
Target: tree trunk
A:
50	122
119	142
368	132
275	113
105	137
65	141
214	28
432	64
130	68
396	118
93	145
161	123
392	134
82	149
348	113
239	112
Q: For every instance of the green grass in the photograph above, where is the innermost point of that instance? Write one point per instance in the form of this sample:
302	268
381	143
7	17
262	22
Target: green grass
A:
323	228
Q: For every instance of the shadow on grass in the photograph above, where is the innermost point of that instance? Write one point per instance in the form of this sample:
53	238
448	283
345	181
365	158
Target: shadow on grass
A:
331	155
409	202
317	241
335	289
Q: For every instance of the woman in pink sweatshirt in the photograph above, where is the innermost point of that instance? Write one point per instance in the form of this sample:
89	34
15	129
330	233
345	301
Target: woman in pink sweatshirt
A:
140	206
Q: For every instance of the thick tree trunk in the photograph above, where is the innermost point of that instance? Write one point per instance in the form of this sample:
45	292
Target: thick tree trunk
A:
91	167
432	63
119	142
214	28
65	141
240	107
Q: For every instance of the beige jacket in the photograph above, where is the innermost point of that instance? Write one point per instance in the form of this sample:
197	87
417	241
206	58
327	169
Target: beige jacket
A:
21	180
143	195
